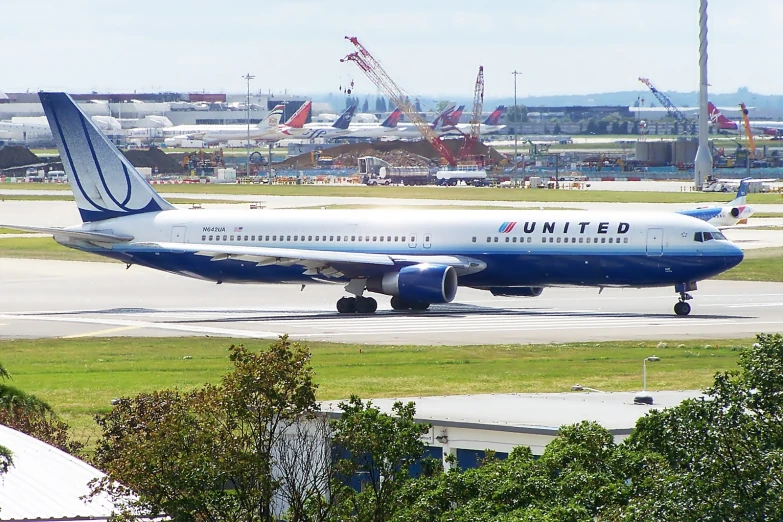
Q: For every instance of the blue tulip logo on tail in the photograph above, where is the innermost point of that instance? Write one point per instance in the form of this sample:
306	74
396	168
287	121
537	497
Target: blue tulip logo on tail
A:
507	227
104	183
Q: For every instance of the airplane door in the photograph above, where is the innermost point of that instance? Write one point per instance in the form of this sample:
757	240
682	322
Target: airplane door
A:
427	240
412	241
178	235
654	241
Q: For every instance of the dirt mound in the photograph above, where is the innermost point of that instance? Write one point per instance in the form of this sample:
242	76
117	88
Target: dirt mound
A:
17	156
154	157
399	153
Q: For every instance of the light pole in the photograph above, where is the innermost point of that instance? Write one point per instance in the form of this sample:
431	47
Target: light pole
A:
516	114
248	77
644	397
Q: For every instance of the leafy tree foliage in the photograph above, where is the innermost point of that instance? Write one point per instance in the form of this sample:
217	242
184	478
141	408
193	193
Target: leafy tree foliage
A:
721	456
516	114
581	476
380	449
366	105
208	454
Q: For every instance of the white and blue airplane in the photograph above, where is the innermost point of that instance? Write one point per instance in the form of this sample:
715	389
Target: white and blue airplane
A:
725	216
416	257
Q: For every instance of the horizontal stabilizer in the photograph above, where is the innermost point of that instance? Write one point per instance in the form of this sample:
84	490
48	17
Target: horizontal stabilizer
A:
103	237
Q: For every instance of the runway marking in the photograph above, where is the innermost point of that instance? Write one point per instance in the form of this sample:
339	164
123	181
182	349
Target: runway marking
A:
226	332
100	332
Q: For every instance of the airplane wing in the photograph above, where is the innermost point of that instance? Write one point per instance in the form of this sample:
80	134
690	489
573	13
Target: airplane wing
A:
318	262
101	237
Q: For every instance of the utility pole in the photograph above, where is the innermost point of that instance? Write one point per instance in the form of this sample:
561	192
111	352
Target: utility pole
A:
516	114
248	77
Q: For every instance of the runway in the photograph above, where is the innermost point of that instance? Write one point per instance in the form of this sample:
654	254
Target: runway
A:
70	299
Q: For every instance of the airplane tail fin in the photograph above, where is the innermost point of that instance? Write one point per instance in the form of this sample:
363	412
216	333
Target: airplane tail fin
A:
454	117
272	119
719	119
494	117
393	119
299	118
104	183
442	119
742	193
345	118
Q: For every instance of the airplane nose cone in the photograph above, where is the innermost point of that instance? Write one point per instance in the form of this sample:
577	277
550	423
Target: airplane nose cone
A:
733	256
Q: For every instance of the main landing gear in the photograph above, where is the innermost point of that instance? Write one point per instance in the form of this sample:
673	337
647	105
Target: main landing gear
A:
357	305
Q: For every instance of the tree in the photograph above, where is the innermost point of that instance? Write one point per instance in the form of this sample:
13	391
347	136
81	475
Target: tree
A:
208	454
379	448
384	107
557	129
517	114
720	456
441	106
417	105
581	476
366	106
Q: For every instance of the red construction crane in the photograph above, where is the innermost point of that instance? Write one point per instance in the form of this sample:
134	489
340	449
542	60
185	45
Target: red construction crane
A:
375	72
475	121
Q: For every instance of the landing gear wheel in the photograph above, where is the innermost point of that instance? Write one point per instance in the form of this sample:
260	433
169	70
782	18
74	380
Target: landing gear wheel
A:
366	305
346	305
419	305
682	308
399	304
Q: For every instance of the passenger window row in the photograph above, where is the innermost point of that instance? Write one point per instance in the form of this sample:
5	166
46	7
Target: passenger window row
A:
319	238
491	239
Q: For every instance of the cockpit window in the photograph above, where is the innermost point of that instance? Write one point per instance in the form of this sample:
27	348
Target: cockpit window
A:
708	236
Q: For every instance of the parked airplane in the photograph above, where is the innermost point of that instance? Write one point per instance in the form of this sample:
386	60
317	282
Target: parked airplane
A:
376	130
722	123
726	215
266	130
298	119
318	130
490	125
418	258
441	125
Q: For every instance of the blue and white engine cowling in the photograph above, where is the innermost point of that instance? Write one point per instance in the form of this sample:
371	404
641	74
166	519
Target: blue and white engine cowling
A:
423	283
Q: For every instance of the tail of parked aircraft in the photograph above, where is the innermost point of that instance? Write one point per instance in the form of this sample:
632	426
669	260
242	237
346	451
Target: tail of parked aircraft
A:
442	119
393	119
299	118
742	193
453	118
272	120
104	183
345	118
719	120
494	117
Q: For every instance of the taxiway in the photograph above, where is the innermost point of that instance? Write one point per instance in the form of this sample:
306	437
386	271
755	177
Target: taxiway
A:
73	299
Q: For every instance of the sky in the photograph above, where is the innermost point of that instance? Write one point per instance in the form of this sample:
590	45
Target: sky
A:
430	48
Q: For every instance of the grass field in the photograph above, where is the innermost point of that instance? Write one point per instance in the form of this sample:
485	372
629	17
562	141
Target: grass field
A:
444	193
44	248
762	264
79	377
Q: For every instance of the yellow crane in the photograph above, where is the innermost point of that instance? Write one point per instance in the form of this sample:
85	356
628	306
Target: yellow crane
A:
748	130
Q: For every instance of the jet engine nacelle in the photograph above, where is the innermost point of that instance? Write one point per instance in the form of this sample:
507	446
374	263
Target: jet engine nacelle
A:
520	291
735	212
423	283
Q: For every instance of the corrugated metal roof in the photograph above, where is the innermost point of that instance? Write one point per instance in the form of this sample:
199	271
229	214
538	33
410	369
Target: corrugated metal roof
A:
46	483
534	412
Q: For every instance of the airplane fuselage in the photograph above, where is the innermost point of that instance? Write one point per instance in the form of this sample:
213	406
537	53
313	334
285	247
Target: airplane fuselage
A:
508	249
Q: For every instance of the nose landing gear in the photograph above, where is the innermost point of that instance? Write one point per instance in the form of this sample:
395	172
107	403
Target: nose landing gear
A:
682	307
